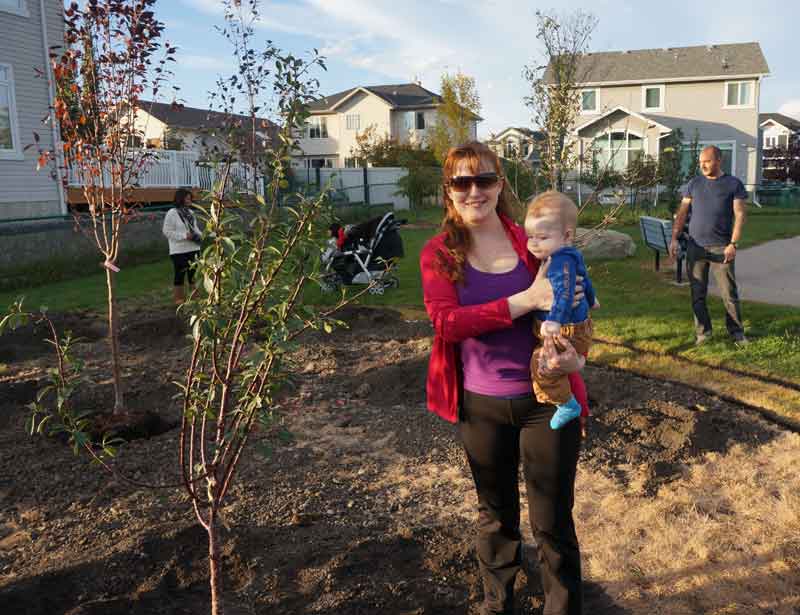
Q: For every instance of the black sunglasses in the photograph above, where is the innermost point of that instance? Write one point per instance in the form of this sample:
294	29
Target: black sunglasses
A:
462	183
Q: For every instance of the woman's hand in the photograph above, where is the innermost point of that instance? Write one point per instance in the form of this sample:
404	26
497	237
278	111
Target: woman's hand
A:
540	292
555	363
539	295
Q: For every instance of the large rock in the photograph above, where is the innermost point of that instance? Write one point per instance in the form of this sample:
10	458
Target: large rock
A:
606	244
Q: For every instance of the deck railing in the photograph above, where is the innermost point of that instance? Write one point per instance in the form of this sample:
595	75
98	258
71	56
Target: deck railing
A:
173	169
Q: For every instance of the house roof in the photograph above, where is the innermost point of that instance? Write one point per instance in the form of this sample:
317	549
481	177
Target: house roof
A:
180	116
779	118
408	95
536	135
670	64
659	122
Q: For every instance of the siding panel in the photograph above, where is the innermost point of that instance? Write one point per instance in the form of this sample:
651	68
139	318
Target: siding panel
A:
21	47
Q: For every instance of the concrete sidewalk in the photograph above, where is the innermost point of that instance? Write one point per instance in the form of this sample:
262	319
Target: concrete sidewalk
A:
769	273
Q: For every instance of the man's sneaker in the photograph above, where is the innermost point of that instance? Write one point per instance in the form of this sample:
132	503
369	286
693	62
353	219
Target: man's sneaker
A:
702	338
741	340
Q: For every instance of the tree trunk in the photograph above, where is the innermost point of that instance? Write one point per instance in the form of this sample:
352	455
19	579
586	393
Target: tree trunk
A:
113	339
215	566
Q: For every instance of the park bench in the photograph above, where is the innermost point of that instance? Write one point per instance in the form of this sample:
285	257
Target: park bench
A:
657	234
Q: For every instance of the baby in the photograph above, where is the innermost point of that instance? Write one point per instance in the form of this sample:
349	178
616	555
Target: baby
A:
550	225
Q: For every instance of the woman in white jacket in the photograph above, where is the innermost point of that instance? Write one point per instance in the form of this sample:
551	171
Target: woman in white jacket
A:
180	228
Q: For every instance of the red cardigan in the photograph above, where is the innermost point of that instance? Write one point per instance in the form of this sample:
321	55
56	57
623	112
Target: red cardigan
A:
453	323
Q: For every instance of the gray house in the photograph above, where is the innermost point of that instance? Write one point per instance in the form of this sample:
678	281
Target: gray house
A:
27	29
631	100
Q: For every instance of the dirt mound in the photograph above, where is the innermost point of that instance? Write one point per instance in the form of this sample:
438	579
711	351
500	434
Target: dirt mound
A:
368	508
648	432
30	341
157	327
125	582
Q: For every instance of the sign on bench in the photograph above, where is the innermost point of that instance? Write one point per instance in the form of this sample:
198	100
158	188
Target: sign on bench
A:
657	234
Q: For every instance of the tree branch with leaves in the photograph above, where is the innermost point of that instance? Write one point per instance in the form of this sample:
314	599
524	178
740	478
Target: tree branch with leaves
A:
108	61
554	79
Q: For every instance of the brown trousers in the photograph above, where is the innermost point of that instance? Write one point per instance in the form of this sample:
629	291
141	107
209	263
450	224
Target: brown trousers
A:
551	389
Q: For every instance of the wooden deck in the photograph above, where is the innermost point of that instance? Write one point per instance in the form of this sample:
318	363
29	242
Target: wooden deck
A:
76	196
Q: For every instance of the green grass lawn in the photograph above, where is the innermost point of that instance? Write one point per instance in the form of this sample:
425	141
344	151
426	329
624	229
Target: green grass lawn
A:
149	283
640	307
643	308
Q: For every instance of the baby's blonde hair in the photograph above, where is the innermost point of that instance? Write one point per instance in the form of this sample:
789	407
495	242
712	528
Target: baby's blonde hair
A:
555	202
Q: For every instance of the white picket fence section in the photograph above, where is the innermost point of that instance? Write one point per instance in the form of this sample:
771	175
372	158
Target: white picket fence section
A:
173	169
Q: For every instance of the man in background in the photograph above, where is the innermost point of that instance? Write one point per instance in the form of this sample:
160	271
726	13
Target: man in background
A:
717	203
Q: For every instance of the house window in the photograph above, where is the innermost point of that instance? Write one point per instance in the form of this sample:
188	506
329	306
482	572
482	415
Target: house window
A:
353	122
420	120
408	121
783	141
318	163
9	128
352	163
616	150
318	127
15	7
770	142
588	101
690	156
509	149
653	98
739	94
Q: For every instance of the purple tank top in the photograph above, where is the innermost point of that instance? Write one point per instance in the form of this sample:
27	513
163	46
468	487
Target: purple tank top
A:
497	363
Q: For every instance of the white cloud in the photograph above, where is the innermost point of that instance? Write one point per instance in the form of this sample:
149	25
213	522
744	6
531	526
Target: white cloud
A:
201	62
492	40
791	108
291	18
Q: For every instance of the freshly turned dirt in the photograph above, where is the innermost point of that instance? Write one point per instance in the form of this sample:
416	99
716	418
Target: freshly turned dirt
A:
367	509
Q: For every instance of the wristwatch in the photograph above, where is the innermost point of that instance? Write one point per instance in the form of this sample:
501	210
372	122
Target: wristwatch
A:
735	244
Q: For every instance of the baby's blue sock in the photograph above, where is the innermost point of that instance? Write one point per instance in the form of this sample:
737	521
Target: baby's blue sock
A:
565	413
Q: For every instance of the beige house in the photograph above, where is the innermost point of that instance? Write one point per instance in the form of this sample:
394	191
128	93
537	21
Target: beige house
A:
631	100
404	112
189	129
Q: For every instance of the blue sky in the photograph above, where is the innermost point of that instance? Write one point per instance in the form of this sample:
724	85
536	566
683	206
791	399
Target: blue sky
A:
371	42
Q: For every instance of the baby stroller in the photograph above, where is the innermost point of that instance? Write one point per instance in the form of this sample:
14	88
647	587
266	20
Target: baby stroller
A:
362	254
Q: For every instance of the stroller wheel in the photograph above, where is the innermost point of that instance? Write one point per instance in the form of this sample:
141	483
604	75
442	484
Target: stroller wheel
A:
377	289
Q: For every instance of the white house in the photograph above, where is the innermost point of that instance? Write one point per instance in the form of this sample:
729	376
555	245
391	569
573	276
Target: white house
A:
27	30
404	112
778	133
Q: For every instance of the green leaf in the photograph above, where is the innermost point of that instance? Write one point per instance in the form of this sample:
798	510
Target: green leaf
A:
43	391
208	284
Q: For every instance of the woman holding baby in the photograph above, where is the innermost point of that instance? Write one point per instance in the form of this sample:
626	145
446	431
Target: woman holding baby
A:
481	288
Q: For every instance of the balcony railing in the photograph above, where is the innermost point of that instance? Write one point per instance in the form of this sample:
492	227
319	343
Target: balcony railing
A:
173	169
